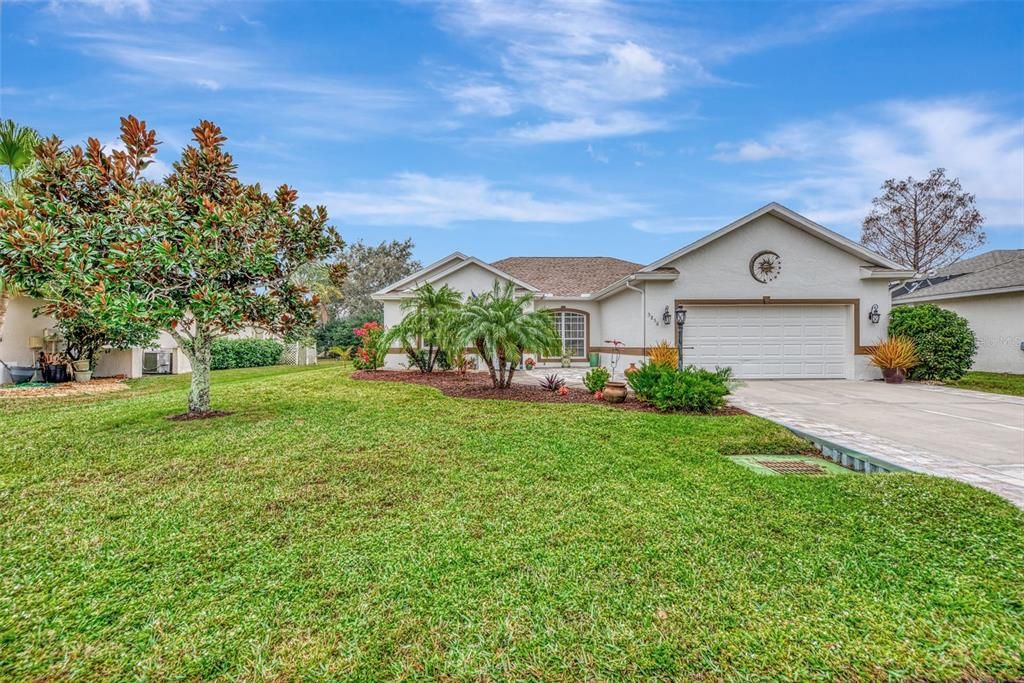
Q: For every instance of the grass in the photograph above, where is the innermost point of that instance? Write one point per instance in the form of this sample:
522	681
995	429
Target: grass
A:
344	530
992	382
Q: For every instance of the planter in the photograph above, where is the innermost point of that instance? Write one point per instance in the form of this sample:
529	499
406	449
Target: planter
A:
56	373
614	392
566	362
21	375
595	359
894	375
80	365
630	370
83	376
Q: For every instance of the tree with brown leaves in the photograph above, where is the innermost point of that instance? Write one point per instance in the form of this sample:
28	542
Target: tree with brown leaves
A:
200	254
923	224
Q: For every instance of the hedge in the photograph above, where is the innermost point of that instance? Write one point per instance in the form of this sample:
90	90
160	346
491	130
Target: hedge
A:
943	340
245	353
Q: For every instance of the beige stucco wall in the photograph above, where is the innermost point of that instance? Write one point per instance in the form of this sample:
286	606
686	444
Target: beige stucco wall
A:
998	323
19	325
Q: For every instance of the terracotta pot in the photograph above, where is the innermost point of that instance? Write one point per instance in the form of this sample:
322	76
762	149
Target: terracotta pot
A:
631	369
894	375
614	392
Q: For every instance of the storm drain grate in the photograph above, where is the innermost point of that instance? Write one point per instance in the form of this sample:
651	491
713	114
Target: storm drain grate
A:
792	466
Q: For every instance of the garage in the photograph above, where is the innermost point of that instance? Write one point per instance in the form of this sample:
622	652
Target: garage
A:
770	341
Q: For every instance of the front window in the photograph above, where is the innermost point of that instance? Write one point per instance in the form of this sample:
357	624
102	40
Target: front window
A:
572	328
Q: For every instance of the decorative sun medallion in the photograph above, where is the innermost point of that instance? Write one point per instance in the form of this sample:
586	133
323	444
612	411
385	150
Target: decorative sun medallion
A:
765	266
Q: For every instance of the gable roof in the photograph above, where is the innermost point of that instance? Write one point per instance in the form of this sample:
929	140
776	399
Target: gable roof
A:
503	274
797	221
454	256
567	275
1001	270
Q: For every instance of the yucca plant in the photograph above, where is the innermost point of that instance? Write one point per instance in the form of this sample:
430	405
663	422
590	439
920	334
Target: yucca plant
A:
552	382
662	353
895	353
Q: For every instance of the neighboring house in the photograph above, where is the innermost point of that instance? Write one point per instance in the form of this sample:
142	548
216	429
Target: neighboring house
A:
987	290
772	295
20	326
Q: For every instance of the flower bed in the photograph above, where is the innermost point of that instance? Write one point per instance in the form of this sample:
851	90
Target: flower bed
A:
478	385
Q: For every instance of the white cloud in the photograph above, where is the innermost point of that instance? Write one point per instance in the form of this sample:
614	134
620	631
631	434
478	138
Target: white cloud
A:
834	166
671	225
420	199
142	8
587	128
596	155
583	66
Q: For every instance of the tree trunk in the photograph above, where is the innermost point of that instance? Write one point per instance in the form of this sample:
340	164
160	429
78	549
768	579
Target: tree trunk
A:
487	361
199	391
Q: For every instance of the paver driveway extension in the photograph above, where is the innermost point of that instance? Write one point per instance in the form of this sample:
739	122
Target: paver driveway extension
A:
968	435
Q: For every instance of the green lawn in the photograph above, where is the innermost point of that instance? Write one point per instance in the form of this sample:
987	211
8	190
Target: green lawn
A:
335	529
993	382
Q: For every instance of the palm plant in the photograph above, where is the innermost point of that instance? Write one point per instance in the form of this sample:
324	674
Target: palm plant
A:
502	330
428	332
17	153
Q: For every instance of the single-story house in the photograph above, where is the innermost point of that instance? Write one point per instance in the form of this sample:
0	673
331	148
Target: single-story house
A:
987	290
771	295
21	331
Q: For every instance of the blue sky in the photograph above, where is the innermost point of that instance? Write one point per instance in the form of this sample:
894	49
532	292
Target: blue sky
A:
516	128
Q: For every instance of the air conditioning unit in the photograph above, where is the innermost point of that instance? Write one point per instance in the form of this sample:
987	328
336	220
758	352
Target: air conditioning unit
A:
157	363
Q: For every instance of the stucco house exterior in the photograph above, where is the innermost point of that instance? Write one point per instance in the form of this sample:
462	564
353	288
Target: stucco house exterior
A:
987	290
19	326
771	295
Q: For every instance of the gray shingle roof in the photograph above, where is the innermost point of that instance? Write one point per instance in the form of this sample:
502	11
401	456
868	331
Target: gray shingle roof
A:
993	270
567	275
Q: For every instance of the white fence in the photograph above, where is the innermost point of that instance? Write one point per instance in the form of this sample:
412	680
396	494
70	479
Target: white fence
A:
297	354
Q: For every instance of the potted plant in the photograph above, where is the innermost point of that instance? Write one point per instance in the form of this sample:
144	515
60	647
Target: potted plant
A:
530	363
894	357
566	360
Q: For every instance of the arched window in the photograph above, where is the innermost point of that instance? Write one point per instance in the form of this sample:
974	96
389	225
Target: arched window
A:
572	328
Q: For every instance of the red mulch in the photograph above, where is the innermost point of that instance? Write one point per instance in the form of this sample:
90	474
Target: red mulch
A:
187	417
478	385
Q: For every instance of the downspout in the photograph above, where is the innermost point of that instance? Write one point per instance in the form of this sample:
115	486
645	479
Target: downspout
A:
643	310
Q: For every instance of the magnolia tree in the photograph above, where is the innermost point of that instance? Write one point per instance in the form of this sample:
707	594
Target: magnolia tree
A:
199	254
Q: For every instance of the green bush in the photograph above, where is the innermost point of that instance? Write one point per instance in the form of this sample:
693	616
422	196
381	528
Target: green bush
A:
245	353
643	380
944	341
340	333
668	389
595	379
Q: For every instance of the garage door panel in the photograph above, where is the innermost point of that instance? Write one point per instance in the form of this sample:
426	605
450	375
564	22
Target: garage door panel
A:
771	341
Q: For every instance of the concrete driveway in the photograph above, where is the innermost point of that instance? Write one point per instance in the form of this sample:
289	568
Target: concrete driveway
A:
967	435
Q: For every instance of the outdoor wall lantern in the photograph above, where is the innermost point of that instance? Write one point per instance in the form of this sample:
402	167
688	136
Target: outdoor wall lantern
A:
874	316
666	316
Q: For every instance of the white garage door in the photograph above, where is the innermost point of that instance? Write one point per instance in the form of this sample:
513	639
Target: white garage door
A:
770	341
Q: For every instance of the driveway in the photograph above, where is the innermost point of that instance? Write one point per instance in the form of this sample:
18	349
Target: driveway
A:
968	435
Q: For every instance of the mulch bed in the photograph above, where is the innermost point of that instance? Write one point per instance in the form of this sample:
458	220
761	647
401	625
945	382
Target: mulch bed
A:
95	386
478	385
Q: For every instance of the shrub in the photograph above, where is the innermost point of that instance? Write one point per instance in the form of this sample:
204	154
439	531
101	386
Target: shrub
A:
943	340
339	333
662	353
667	388
894	352
244	353
552	382
595	379
373	346
642	381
